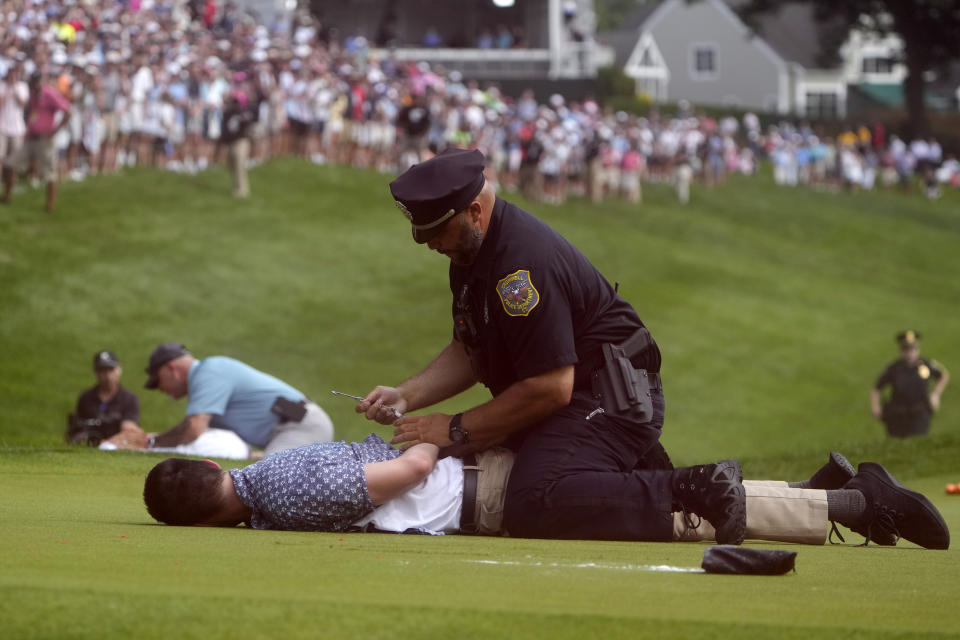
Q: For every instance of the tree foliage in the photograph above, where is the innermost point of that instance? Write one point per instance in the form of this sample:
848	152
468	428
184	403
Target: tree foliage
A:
929	29
612	13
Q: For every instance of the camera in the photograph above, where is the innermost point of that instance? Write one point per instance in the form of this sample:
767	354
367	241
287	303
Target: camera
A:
90	431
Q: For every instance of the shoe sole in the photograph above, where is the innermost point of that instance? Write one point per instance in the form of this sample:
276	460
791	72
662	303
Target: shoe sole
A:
884	477
734	530
840	462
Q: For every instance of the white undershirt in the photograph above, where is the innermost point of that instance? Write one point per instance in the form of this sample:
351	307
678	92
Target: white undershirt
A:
433	505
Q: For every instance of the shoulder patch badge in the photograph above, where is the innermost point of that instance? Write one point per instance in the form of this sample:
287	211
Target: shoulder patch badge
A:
924	371
517	293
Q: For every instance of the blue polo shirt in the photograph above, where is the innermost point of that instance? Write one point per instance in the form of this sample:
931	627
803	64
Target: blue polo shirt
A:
238	396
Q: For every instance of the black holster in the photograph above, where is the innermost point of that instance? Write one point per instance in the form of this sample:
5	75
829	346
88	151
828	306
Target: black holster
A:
621	390
288	410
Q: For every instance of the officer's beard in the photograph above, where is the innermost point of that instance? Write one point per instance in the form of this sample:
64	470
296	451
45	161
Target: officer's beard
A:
468	244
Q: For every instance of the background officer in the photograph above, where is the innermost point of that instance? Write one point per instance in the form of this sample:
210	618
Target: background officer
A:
106	409
910	405
534	321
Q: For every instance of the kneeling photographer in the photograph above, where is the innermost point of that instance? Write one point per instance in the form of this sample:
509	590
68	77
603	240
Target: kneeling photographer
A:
106	411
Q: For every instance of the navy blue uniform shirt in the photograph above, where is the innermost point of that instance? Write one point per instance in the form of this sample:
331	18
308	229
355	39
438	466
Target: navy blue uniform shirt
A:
531	303
909	382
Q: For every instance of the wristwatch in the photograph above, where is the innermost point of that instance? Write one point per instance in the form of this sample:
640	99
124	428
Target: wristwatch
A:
458	435
151	440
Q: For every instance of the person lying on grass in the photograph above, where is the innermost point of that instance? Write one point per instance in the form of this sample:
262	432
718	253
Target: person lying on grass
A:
364	486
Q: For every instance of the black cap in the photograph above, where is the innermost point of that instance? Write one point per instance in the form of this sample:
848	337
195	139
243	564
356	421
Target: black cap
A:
163	354
432	192
105	360
908	338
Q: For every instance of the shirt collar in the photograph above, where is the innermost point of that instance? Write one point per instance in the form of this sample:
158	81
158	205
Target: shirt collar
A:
490	238
193	367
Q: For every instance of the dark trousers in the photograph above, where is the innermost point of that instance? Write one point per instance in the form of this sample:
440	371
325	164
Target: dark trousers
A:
579	479
903	421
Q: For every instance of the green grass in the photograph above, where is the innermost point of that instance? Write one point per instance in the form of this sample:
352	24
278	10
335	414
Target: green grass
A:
774	308
82	561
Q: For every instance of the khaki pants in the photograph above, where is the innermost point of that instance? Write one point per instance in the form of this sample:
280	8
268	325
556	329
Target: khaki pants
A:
239	154
38	152
495	465
9	145
774	512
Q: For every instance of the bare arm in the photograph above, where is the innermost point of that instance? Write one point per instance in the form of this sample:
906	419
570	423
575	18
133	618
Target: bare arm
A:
130	436
387	480
67	114
938	389
188	430
522	404
875	408
447	375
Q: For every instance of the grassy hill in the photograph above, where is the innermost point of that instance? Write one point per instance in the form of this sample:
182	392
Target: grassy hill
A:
775	308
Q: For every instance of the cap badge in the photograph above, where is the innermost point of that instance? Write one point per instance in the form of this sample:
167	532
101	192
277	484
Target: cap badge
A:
910	337
517	293
404	210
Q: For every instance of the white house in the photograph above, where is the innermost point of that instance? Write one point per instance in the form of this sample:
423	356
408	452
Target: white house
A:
704	53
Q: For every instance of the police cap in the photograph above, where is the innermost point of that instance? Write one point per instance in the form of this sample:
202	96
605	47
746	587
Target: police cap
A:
908	338
432	192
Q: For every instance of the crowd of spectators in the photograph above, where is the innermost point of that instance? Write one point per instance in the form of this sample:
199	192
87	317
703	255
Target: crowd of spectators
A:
859	158
159	83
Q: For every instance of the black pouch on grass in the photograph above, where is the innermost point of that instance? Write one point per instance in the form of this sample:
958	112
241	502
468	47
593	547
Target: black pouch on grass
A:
726	558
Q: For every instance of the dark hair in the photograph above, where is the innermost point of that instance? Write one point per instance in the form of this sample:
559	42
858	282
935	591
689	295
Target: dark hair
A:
183	492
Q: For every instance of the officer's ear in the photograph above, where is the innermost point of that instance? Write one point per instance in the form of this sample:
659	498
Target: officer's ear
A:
475	211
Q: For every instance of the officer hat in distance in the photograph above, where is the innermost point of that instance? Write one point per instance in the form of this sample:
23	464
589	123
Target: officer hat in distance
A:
105	360
432	192
908	338
163	354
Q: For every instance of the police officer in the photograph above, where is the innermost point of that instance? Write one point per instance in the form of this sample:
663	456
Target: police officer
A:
573	372
911	404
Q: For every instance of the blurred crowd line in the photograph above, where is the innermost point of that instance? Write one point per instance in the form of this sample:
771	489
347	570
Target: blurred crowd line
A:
150	82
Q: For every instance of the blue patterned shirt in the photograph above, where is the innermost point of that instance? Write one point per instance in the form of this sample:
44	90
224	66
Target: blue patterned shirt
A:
317	487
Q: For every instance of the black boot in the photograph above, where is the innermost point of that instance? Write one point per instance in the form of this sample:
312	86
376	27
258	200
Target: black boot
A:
714	492
894	512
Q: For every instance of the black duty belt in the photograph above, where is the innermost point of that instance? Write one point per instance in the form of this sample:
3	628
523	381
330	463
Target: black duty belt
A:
468	521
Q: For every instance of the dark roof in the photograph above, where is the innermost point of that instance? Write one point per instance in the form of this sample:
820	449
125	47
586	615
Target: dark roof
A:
622	42
624	38
793	32
640	15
